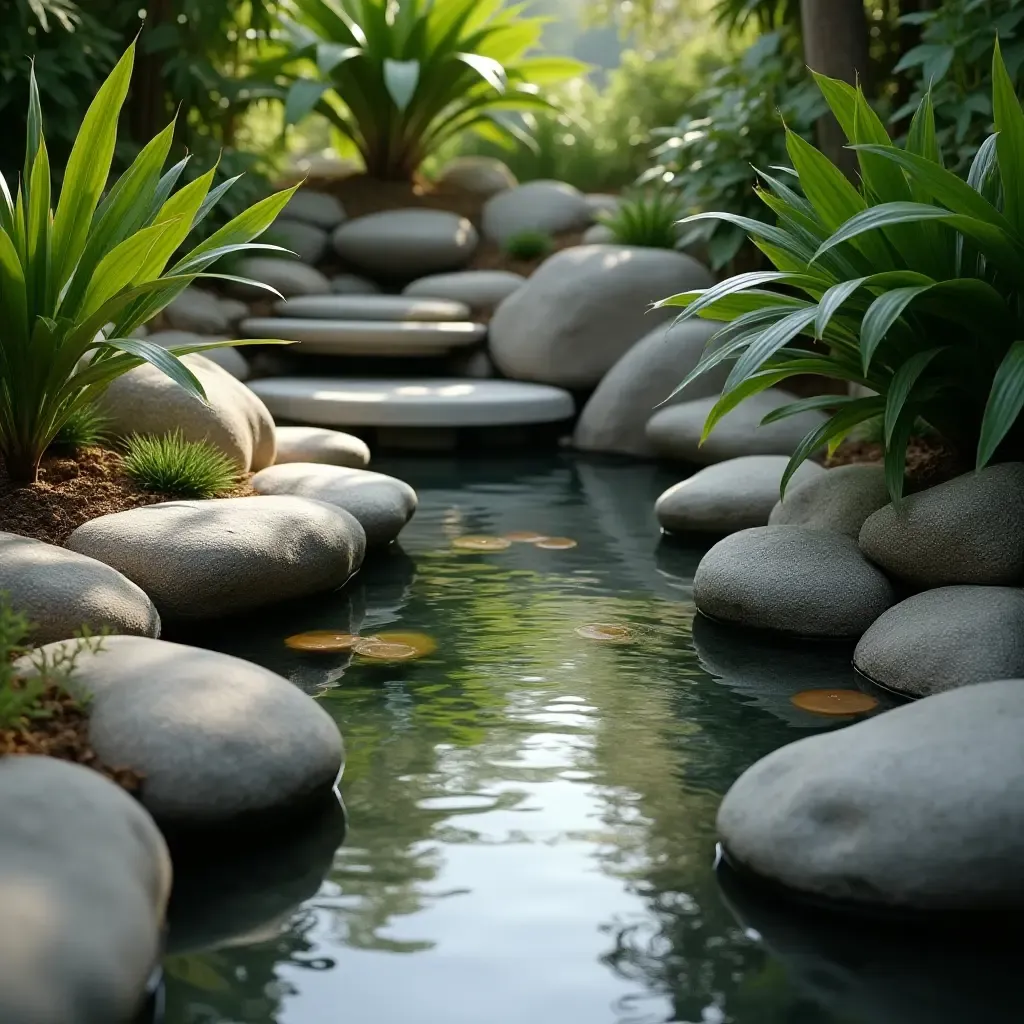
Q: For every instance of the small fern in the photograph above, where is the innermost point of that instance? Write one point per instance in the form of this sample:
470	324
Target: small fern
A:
646	219
85	427
169	464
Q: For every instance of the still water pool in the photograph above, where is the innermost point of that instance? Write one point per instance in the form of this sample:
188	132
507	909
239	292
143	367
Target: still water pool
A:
530	833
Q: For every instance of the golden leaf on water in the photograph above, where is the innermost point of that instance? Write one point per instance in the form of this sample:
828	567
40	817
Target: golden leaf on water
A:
481	543
555	543
381	650
321	641
603	631
525	537
835	702
420	642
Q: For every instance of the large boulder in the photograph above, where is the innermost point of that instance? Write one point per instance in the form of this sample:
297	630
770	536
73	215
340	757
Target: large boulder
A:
482	290
287	275
382	504
967	530
84	882
307	241
615	418
919	809
484	175
317	444
548	206
227	358
730	496
318	208
218	742
945	638
839	500
675	432
584	308
792	580
204	559
198	311
61	591
146	401
406	243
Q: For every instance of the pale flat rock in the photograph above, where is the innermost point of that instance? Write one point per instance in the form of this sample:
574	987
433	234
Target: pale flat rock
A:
584	308
287	274
366	337
730	496
382	504
674	432
198	311
318	208
615	418
228	358
481	290
792	580
309	242
373	307
919	809
353	284
484	175
599	234
839	500
413	402
146	401
84	882
406	243
475	364
946	638
317	444
551	207
206	559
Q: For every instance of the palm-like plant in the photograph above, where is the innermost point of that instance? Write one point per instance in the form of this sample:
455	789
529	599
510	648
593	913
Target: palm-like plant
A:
913	286
401	77
75	282
647	219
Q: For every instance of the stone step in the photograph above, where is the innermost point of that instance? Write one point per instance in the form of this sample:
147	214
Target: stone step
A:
374	307
366	337
441	403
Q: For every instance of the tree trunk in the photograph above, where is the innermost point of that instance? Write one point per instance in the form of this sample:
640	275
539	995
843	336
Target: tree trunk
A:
835	44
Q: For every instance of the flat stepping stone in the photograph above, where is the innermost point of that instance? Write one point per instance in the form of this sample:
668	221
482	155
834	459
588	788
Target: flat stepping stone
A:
366	337
413	402
317	444
482	290
373	307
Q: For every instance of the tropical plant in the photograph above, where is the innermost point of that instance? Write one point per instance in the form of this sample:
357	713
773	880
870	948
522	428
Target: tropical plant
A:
529	245
709	159
913	287
648	218
170	464
96	262
398	78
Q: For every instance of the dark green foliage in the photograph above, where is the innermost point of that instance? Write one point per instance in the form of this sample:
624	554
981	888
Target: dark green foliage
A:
646	218
185	469
85	427
529	245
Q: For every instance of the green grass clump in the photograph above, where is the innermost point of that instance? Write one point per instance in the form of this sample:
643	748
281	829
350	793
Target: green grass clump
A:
648	219
172	465
529	245
85	427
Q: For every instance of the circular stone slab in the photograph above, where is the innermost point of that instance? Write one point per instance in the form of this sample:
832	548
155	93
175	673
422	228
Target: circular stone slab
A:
373	307
414	402
366	337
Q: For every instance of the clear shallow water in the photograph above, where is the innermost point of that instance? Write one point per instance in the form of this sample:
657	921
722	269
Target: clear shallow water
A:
530	814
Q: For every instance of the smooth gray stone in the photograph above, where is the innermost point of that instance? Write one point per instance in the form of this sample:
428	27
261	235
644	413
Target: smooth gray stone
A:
548	206
227	358
319	208
198	311
839	500
481	174
353	284
317	444
285	273
307	241
384	308
481	290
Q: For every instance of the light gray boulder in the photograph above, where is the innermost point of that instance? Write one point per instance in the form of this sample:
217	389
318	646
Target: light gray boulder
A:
548	206
219	742
603	202
946	638
406	243
675	432
729	496
919	809
483	175
318	208
284	273
969	530
322	446
585	307
229	359
382	504
146	401
482	290
839	500
792	580
206	559
84	882
615	418
61	591
353	284
198	311
234	309
307	241
599	234
360	308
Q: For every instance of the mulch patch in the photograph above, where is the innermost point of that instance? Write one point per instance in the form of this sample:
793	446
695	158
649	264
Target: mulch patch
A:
930	460
72	489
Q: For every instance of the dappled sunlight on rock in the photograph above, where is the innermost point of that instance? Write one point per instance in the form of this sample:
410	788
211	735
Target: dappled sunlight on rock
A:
835	702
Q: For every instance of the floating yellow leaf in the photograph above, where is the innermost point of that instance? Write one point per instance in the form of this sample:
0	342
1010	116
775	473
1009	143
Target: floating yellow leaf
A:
480	543
555	543
525	537
381	650
835	702
321	640
603	631
420	642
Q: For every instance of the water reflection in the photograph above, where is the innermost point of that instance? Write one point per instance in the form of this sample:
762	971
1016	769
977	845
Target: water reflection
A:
531	812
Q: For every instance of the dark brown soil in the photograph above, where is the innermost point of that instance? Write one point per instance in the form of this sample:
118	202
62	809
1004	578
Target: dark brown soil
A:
72	489
61	729
929	460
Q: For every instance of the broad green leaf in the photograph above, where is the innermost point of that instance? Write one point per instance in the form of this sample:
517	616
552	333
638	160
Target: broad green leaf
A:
401	78
303	96
769	342
902	385
158	357
695	301
896	453
330	55
180	211
880	317
1009	119
489	70
815	404
1005	401
832	301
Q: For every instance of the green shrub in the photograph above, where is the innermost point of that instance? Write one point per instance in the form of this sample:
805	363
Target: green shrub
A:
646	218
914	284
529	245
169	464
400	80
85	427
710	158
64	275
